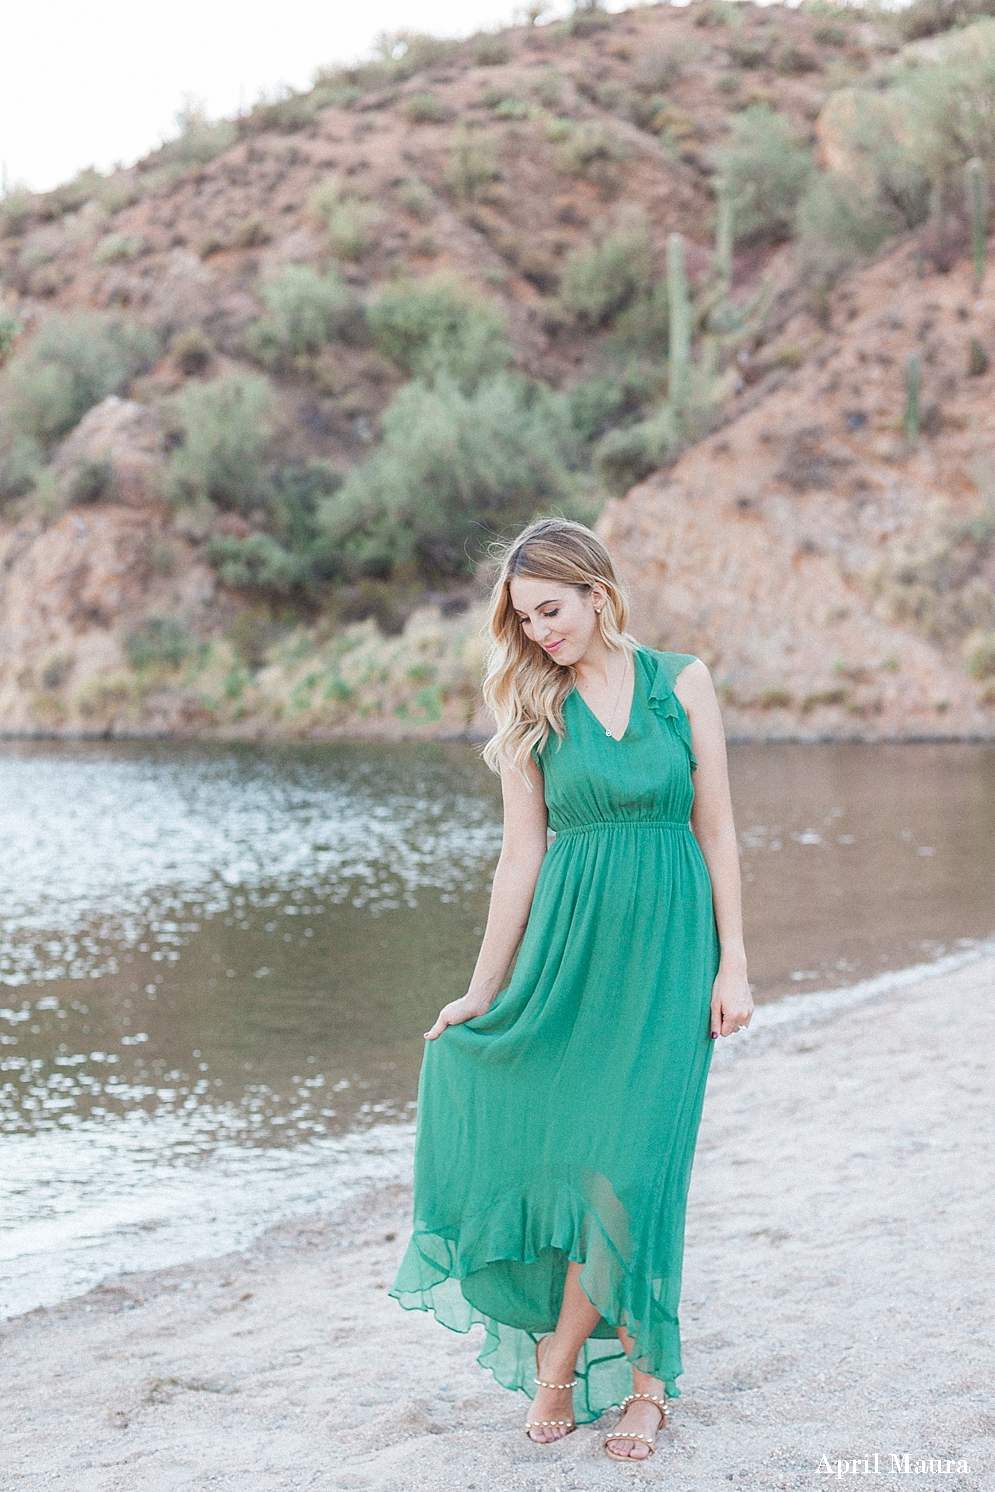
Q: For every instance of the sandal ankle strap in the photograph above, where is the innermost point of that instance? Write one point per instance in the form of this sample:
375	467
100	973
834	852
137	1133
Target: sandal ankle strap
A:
543	1384
661	1404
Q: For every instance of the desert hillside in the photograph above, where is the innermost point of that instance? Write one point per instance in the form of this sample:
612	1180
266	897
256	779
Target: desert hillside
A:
714	277
839	580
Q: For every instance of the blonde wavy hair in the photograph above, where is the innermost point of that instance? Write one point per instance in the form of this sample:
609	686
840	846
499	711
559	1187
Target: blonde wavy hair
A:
523	687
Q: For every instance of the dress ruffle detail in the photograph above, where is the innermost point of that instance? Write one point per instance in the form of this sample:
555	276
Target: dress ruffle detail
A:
664	702
461	1280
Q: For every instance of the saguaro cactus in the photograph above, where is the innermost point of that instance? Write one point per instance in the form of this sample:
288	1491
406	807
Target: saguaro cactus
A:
911	417
724	235
680	324
977	206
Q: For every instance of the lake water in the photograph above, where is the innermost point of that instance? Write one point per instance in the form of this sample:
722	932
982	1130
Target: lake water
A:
217	960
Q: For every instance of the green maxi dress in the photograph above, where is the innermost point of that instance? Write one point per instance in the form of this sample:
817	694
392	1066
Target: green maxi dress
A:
561	1125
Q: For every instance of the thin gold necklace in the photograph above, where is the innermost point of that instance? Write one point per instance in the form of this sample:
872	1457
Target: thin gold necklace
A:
611	717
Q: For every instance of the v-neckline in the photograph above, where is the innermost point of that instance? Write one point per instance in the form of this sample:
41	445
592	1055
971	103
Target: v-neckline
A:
632	706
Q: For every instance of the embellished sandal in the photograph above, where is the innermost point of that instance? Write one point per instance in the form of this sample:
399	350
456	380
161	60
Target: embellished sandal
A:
566	1425
616	1434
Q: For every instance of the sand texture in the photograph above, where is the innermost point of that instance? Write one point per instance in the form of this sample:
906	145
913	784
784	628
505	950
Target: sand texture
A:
837	1302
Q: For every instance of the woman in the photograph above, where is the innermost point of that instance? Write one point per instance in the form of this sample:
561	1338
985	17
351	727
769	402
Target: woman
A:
558	1113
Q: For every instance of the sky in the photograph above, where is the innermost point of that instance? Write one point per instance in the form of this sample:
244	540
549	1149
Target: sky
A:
101	82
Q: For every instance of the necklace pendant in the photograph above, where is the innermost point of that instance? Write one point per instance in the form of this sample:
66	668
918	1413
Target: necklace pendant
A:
607	732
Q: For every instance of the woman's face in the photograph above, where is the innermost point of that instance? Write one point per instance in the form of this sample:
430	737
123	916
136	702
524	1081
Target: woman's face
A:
561	618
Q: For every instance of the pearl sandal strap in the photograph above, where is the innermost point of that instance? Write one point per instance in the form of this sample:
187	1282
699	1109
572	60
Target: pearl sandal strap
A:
660	1403
543	1384
628	1435
549	1424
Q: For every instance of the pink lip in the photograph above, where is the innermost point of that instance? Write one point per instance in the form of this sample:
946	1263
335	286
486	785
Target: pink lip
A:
552	646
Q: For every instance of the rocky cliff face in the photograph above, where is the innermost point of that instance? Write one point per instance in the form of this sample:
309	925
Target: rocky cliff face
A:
838	577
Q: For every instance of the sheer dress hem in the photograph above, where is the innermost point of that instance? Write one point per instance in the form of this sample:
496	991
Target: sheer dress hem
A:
505	1271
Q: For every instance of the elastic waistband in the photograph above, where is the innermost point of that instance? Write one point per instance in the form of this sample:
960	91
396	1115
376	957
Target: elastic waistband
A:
622	824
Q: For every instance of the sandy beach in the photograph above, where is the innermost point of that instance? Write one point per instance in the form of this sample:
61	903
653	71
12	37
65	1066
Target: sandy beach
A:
837	1304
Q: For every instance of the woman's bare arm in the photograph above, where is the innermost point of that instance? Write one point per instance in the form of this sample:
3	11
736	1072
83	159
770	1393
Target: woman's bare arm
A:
713	827
522	849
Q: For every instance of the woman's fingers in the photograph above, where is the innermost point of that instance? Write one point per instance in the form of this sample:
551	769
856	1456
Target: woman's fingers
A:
454	1014
441	1022
725	1023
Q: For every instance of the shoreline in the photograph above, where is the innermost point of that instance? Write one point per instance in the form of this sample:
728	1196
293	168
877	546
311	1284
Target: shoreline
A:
316	1178
835	1276
396	733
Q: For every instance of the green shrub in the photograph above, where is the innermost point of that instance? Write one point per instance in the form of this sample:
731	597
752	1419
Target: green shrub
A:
112	248
72	363
439	326
658	70
793	60
348	220
594	405
191	351
623	457
548	88
295	111
20	458
951	106
425	108
417	198
296	492
225	429
17	207
594	151
454	470
199	141
472	163
880	143
837	225
749	52
601	281
161	642
928	17
92	479
512	108
490	51
305	311
977	359
257	563
766	169
10	330
979	655
399	56
588	17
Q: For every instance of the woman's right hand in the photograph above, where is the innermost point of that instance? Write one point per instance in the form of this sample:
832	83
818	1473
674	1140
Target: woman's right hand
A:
466	1008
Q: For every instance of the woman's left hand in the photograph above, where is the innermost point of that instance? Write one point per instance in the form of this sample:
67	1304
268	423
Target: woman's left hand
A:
732	1003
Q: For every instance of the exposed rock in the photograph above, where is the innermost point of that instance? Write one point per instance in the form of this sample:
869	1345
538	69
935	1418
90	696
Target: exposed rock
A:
812	556
125	435
70	594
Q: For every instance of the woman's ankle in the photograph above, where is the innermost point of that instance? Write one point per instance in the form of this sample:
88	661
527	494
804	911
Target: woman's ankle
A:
557	1364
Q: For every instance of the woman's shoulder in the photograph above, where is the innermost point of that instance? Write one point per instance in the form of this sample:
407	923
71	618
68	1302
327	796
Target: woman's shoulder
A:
671	665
